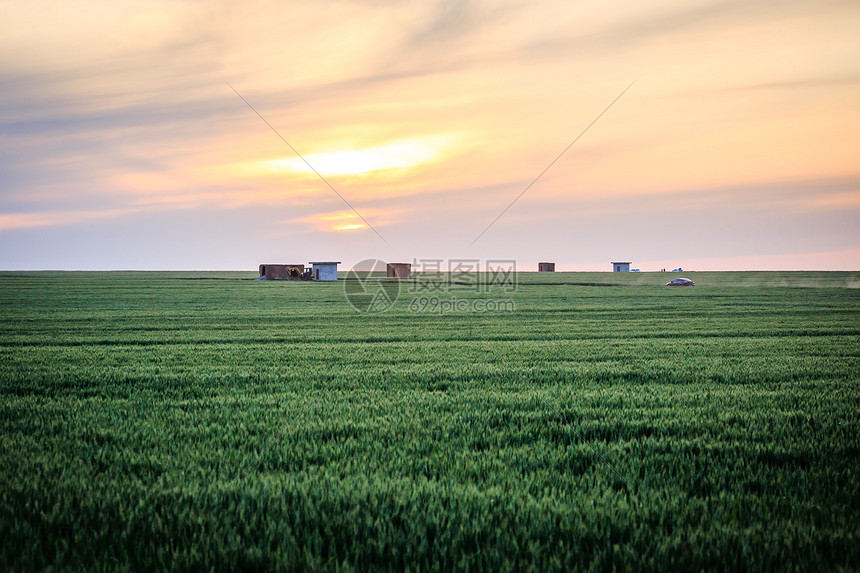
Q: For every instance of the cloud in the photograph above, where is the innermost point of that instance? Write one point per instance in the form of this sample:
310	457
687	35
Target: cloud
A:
395	155
678	22
743	113
345	220
52	106
10	221
812	82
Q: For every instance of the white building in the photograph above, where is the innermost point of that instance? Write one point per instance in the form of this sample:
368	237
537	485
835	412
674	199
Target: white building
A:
621	267
325	271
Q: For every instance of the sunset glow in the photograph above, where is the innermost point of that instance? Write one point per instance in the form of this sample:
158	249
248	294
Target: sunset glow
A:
429	119
348	227
395	155
339	220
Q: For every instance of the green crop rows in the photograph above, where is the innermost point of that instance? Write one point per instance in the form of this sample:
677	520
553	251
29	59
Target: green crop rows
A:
210	421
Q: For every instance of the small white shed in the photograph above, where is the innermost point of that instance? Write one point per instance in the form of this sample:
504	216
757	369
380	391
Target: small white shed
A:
325	270
620	267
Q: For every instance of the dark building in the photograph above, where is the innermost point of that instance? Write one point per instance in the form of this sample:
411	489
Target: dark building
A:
398	270
282	272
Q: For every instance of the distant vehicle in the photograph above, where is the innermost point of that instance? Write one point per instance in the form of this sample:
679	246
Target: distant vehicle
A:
680	281
634	270
678	270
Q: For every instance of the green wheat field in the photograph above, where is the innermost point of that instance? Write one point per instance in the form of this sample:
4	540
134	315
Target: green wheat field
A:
594	421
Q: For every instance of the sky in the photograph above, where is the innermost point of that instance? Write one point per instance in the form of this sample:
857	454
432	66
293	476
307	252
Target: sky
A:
123	145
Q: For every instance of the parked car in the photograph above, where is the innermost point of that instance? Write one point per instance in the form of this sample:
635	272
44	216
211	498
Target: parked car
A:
680	281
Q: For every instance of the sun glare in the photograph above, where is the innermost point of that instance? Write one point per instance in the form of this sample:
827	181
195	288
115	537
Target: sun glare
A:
400	154
336	221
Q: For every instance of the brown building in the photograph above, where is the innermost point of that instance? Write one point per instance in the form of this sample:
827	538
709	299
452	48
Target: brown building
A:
398	270
546	267
282	272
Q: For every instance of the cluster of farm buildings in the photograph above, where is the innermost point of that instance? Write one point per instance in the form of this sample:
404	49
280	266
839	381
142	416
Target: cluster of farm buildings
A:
322	271
327	270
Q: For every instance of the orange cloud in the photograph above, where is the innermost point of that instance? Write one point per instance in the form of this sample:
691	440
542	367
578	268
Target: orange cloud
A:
51	219
401	154
345	220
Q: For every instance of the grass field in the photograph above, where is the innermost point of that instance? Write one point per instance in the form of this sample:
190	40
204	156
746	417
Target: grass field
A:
598	421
